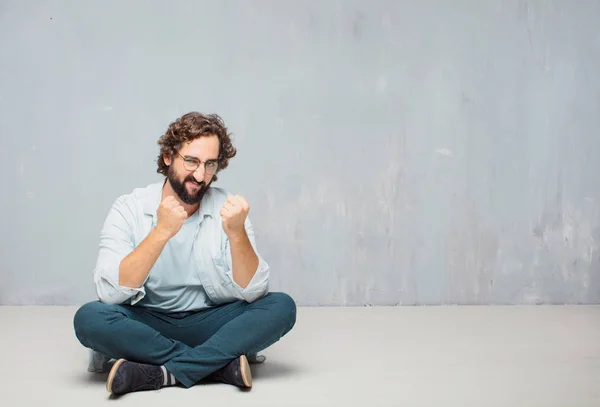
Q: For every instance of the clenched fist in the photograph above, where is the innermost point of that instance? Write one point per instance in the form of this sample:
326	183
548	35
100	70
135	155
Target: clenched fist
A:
233	213
171	216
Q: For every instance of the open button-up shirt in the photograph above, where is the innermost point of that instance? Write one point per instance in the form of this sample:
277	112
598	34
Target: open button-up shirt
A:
130	220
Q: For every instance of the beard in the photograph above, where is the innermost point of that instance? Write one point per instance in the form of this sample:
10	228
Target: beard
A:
180	187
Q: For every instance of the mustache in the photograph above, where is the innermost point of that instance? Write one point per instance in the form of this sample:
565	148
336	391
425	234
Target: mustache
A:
193	181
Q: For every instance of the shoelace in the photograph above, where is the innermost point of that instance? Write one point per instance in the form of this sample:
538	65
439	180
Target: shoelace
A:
152	377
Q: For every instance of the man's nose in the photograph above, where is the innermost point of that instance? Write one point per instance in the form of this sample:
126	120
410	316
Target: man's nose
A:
199	173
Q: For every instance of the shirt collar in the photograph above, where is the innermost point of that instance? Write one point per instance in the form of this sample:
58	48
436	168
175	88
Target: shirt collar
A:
153	197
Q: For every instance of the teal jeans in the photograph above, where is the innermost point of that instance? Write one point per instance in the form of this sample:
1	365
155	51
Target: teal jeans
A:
191	345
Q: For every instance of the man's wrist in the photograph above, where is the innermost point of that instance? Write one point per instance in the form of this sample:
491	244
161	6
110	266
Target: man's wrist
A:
161	235
237	235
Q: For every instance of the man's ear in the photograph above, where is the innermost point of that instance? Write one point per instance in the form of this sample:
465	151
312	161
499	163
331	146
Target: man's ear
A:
167	159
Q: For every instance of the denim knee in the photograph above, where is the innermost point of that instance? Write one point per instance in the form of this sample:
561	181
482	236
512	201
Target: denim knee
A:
284	308
87	317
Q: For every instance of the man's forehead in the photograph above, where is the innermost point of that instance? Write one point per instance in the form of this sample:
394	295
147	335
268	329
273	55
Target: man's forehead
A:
201	151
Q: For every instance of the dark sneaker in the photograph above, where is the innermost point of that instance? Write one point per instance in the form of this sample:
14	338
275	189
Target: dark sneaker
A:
237	372
126	377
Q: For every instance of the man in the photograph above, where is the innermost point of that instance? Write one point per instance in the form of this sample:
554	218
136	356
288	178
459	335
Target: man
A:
183	292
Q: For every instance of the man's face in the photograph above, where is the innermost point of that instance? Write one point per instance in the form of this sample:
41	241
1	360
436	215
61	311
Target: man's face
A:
188	183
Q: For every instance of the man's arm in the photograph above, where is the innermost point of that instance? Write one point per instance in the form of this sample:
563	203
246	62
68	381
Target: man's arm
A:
136	266
122	269
116	242
243	257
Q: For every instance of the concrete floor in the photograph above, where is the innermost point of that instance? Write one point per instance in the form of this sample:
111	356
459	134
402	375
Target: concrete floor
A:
408	356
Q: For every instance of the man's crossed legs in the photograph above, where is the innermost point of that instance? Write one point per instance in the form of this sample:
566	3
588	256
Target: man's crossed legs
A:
191	346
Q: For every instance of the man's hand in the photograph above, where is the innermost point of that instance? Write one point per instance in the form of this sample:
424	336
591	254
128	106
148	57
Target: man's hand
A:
233	213
171	216
243	257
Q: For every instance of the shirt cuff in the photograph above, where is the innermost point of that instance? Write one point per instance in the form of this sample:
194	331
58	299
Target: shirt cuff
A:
258	286
110	292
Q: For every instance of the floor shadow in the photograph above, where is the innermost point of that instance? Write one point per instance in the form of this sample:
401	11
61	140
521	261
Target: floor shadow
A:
93	377
271	369
88	377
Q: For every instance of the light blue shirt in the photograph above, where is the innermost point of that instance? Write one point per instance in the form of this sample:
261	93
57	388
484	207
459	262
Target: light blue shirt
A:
194	269
174	284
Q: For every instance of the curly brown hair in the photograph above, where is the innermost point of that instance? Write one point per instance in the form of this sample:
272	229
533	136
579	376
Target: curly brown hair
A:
189	127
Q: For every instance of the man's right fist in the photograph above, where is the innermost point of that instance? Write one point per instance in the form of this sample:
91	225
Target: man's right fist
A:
171	216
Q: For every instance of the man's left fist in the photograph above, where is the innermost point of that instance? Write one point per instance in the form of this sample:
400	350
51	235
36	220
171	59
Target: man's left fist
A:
233	213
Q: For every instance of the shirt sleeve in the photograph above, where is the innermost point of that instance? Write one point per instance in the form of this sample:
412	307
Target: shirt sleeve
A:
116	242
259	285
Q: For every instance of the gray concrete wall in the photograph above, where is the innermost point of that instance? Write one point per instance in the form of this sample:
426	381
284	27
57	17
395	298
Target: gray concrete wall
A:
393	152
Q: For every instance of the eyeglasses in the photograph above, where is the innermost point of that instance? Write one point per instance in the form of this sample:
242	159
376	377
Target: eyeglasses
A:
192	163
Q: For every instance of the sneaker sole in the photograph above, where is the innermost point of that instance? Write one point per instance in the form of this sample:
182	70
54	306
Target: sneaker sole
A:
246	373
113	372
